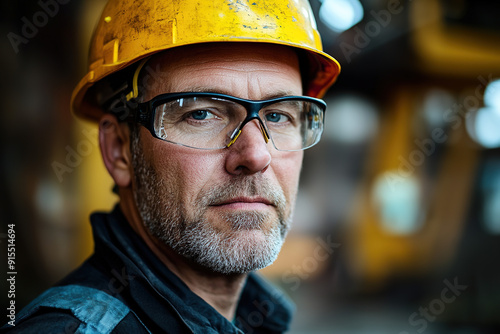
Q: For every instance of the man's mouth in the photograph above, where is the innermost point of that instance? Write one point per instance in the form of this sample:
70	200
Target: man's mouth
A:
245	203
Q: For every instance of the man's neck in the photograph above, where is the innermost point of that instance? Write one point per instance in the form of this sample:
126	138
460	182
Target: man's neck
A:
222	292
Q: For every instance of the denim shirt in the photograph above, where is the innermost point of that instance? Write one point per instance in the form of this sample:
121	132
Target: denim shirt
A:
124	288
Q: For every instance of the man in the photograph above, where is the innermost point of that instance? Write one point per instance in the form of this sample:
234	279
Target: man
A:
202	125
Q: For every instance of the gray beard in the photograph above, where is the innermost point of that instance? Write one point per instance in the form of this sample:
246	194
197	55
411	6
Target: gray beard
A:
196	238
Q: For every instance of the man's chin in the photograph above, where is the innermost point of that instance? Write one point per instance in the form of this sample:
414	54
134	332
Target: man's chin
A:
251	238
241	252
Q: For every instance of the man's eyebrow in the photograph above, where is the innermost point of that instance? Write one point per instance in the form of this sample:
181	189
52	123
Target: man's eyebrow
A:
280	93
271	95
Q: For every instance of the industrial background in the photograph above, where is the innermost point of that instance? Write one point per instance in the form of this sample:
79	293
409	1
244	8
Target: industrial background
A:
397	225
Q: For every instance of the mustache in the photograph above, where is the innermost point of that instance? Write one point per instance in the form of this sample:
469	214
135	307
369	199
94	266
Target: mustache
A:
246	186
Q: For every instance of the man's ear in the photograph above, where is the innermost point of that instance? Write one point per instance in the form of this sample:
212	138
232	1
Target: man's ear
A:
114	141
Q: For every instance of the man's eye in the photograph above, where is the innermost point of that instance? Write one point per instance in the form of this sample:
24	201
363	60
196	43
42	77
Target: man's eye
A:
275	117
200	115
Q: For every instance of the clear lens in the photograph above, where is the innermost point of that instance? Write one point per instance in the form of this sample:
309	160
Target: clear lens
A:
209	122
294	124
199	122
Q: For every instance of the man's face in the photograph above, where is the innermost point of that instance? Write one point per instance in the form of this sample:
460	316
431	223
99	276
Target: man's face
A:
227	210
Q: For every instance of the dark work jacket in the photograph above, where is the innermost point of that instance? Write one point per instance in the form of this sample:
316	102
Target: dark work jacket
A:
124	288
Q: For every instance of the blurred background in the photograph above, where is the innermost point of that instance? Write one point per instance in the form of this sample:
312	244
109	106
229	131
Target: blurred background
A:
397	225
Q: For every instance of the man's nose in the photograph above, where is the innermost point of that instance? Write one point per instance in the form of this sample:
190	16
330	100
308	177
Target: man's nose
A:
249	154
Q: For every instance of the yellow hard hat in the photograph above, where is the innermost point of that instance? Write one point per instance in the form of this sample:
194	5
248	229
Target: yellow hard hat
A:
130	30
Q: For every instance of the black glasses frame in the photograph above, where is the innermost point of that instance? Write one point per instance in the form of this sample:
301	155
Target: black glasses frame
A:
144	113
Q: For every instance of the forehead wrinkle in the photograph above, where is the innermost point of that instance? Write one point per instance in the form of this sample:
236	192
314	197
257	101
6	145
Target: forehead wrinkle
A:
243	66
191	84
201	64
226	91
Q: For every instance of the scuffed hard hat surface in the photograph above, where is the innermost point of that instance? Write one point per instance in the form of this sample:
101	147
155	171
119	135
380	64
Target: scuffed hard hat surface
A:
130	30
155	25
